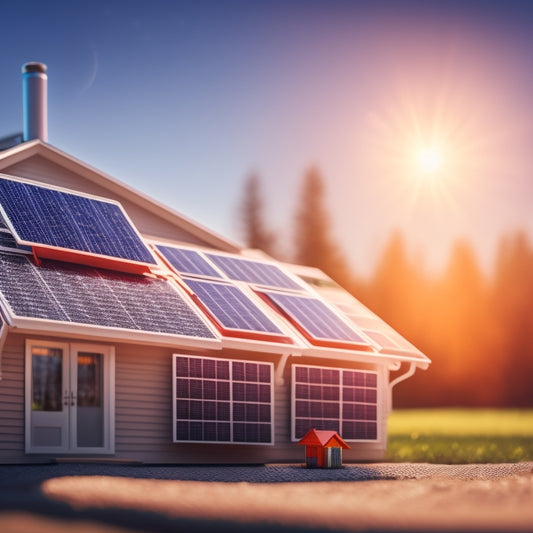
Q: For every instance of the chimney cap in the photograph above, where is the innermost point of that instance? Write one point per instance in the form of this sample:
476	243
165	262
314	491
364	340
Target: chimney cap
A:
33	67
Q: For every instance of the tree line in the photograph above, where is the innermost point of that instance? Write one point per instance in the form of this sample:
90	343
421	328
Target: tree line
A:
476	328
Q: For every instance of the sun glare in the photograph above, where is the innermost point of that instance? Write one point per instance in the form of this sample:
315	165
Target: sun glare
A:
429	160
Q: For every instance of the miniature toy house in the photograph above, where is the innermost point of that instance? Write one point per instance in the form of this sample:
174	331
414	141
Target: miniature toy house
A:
323	449
144	336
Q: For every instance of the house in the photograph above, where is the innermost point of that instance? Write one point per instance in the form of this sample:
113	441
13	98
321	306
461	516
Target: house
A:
323	449
131	332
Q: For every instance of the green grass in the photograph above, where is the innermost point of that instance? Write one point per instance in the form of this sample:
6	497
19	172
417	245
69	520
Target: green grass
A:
455	436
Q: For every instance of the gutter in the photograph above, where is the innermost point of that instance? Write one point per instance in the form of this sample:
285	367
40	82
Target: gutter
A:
399	379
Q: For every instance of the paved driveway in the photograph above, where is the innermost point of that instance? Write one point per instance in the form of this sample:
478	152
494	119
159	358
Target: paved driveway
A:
280	498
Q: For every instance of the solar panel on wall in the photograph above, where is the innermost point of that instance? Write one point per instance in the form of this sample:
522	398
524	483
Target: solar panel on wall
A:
85	295
222	400
336	399
316	320
254	272
54	221
233	310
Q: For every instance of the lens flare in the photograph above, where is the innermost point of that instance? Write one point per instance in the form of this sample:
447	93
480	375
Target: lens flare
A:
429	160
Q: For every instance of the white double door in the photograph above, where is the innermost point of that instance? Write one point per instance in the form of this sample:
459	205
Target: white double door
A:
69	398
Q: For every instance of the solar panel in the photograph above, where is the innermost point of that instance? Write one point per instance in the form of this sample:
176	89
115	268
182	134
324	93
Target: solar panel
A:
381	339
316	320
86	295
384	336
49	218
187	261
255	272
341	400
222	400
231	308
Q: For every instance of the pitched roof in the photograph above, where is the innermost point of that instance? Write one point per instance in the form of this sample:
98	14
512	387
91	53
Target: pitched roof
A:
326	439
35	148
257	304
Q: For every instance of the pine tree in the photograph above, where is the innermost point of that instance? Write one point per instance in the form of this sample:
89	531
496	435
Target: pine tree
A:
314	245
513	306
255	233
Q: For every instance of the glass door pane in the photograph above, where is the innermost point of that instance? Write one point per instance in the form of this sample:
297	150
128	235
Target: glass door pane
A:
47	379
90	400
48	400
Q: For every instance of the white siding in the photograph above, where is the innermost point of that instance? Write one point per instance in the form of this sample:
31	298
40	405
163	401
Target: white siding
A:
12	401
143	411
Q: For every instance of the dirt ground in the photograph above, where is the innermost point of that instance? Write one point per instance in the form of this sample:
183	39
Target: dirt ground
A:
125	504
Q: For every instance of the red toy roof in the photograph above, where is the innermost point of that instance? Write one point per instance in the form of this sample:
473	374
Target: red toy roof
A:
326	439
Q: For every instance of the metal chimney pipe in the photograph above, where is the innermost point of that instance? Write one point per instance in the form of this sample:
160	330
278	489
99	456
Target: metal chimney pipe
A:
34	101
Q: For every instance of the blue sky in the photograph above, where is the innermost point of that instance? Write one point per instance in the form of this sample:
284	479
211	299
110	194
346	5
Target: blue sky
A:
183	99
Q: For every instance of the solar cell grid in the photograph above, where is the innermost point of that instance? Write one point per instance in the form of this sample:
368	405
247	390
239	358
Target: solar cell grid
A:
223	369
209	368
251	372
265	412
50	217
223	410
264	374
187	261
240	399
210	389
25	291
223	390
239	412
182	368
371	380
237	371
182	388
350	403
85	295
231	308
315	318
254	272
238	391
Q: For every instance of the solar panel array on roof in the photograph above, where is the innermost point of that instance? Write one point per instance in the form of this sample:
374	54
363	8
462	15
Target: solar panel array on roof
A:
316	320
187	261
231	308
234	311
193	262
45	217
254	272
85	295
383	337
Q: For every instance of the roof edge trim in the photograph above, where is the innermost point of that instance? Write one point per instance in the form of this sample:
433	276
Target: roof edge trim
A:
115	334
25	150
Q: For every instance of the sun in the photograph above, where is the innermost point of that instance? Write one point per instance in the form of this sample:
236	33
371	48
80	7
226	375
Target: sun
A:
429	160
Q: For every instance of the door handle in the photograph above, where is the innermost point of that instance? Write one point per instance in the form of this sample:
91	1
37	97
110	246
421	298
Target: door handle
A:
72	398
66	398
